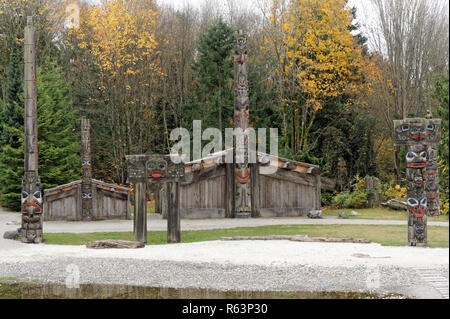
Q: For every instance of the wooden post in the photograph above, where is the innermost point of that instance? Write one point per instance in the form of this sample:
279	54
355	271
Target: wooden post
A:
242	187
173	212
31	196
418	135
140	212
254	173
86	184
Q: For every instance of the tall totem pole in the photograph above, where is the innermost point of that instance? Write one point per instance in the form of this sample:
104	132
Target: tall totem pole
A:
31	196
420	136
86	185
242	187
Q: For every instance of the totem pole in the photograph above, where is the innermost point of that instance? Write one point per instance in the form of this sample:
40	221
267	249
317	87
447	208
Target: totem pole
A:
420	136
31	196
86	186
242	187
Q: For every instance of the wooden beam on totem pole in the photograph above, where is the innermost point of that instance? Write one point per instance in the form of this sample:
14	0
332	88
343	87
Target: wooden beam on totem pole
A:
31	195
173	212
86	180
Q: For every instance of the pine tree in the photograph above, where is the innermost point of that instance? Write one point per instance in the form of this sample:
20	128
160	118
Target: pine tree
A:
58	143
214	68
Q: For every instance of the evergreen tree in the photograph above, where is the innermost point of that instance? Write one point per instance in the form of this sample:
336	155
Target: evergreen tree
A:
58	141
214	68
12	113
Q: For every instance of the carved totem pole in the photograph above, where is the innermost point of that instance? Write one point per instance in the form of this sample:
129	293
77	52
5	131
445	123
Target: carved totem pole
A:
145	171
420	136
242	187
31	196
86	185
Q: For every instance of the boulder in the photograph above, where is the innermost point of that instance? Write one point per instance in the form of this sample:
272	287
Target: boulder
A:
342	215
353	213
11	234
396	204
315	214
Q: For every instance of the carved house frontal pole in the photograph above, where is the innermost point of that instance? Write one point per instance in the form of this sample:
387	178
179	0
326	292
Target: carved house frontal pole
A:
86	184
242	180
420	136
31	195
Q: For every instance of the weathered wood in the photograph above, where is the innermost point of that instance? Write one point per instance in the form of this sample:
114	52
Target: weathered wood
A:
173	216
198	176
86	178
140	213
301	238
254	173
294	177
242	187
31	195
420	136
318	193
229	191
112	243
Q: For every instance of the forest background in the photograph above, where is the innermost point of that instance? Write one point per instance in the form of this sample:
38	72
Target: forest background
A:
139	68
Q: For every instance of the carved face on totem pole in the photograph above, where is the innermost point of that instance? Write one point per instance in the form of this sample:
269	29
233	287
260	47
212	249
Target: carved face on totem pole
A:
136	170
417	130
31	199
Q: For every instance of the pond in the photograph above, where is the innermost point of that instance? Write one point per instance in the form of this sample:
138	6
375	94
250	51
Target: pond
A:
26	290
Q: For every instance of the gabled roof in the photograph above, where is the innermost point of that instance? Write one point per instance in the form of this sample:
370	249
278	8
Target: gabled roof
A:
264	159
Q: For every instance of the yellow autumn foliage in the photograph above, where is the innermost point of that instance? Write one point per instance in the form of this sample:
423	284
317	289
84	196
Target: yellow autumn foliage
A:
319	50
119	34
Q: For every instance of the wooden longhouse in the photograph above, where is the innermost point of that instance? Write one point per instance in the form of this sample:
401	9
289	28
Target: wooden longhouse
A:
207	192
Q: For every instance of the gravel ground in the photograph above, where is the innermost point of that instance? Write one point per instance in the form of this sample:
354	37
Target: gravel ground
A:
278	265
242	265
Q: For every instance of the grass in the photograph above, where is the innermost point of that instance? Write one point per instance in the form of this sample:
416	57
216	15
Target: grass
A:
385	235
378	213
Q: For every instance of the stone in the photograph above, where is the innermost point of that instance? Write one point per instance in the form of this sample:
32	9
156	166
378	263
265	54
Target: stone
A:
315	214
342	215
110	243
11	234
353	213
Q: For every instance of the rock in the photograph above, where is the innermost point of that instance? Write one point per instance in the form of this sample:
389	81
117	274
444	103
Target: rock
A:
11	234
315	214
342	215
396	204
111	243
353	213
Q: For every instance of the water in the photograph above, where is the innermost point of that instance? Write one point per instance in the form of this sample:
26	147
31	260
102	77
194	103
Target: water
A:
21	290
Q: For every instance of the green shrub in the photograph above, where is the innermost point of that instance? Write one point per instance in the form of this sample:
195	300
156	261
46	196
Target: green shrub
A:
356	199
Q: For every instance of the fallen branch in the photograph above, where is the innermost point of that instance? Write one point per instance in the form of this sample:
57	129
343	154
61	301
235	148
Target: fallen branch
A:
301	238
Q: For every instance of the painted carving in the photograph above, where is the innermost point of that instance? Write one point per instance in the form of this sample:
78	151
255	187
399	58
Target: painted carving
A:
420	137
31	199
242	189
31	195
86	185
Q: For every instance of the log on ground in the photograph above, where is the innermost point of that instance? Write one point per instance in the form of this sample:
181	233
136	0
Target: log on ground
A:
111	243
301	238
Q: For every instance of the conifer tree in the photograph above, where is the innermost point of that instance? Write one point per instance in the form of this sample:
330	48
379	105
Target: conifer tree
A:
214	68
58	141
